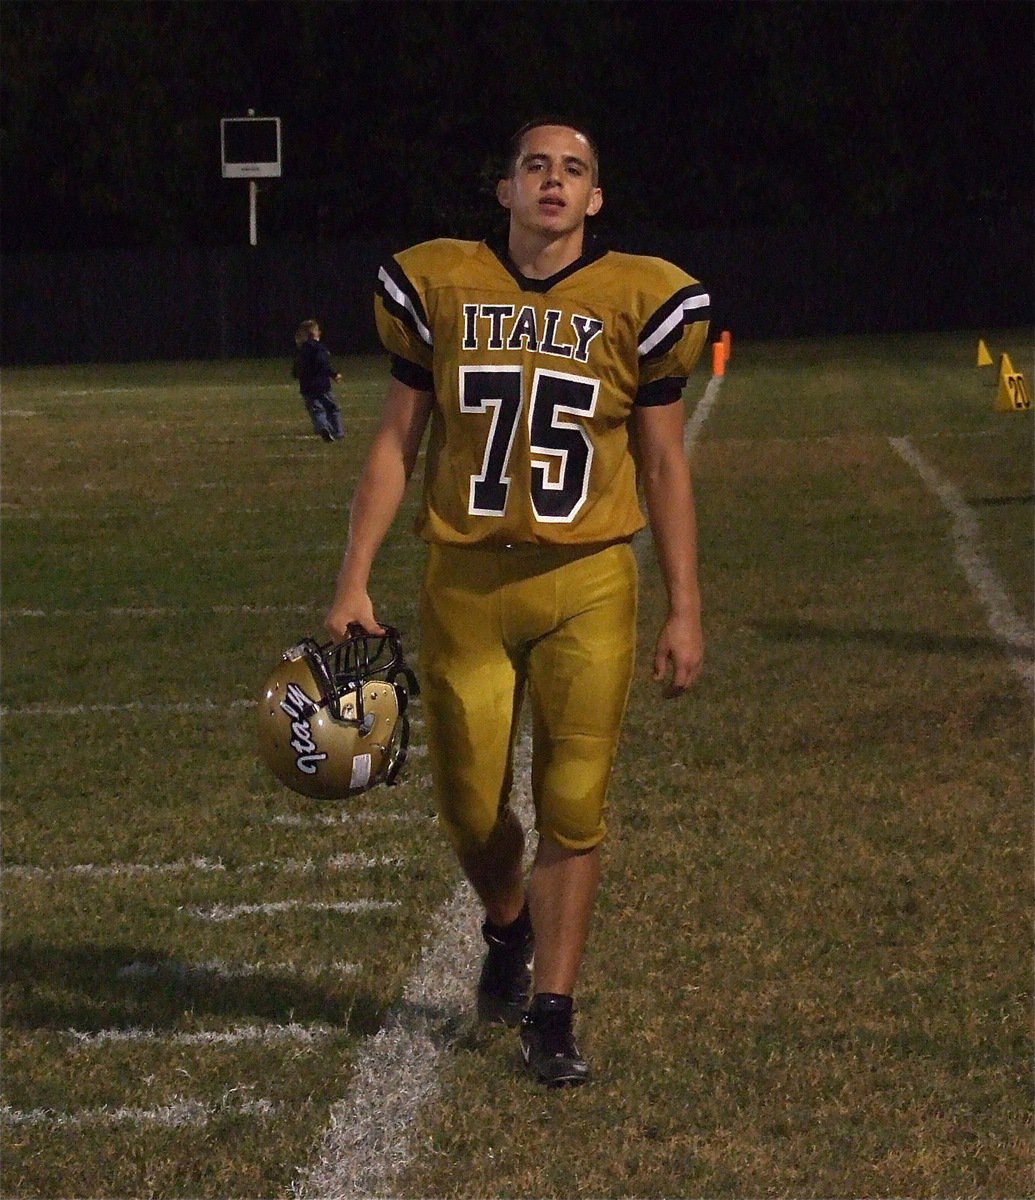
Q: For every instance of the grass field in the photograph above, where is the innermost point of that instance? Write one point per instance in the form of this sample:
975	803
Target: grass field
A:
811	969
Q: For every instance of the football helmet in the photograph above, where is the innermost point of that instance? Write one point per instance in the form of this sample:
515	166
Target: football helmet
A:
332	717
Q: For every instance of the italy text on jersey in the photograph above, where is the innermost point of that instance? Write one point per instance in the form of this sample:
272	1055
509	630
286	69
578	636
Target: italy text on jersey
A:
505	327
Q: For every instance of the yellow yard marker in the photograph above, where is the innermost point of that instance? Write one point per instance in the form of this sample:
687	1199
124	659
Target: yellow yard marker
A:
1012	394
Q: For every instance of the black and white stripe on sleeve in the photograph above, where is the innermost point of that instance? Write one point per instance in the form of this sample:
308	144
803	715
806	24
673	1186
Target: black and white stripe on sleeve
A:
666	325
401	300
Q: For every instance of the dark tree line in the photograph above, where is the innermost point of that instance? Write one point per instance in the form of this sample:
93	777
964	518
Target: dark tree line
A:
709	114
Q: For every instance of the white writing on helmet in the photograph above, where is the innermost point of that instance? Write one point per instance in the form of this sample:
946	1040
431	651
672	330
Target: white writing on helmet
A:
297	706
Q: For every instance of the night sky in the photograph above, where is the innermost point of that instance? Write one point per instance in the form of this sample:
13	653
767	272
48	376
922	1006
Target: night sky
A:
709	115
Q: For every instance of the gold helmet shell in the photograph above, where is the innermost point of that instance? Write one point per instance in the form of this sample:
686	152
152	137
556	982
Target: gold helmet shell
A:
332	718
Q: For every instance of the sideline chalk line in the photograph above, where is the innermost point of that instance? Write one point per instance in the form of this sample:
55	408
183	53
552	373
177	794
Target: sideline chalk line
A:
370	1139
701	413
1003	619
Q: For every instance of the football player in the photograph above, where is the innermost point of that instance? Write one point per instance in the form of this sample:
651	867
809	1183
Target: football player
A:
537	365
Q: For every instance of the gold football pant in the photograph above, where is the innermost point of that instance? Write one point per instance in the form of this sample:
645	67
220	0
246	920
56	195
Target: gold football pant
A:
557	622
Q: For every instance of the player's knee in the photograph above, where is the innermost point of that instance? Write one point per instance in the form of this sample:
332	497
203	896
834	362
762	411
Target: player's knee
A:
573	817
571	793
573	834
470	829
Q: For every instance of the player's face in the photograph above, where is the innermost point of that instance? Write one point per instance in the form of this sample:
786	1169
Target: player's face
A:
551	190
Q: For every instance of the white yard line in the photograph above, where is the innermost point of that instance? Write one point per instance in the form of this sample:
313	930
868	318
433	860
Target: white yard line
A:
202	390
134	706
361	816
110	870
175	1115
1003	619
231	912
371	1136
301	1035
338	862
370	1139
160	610
217	971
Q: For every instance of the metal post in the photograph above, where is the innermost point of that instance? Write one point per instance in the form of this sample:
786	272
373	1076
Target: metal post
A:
253	191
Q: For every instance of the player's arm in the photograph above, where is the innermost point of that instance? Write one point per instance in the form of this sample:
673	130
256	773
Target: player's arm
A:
669	496
379	493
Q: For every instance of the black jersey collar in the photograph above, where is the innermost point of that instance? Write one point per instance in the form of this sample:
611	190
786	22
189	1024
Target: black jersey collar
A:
592	249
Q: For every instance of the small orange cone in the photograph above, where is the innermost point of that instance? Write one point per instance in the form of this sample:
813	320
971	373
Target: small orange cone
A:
727	344
984	359
718	359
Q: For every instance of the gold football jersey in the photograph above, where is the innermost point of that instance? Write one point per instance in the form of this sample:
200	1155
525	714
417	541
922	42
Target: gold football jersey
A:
535	382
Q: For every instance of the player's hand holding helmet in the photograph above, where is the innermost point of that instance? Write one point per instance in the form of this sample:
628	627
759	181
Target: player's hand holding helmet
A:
332	717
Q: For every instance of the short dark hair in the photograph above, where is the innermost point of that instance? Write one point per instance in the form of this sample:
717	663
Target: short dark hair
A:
514	145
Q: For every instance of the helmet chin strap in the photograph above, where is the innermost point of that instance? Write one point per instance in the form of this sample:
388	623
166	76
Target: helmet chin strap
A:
398	757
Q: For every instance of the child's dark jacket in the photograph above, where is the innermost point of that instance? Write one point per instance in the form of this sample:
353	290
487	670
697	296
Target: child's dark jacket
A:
313	368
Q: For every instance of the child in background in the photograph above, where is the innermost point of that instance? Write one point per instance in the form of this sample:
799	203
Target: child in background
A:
315	375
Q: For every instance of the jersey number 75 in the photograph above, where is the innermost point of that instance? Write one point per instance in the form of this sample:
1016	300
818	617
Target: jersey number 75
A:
560	450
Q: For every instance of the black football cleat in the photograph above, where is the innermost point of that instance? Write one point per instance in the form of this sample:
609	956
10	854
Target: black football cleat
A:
548	1043
506	979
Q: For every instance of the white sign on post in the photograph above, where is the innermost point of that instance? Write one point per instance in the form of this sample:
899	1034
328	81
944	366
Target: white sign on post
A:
251	147
250	150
